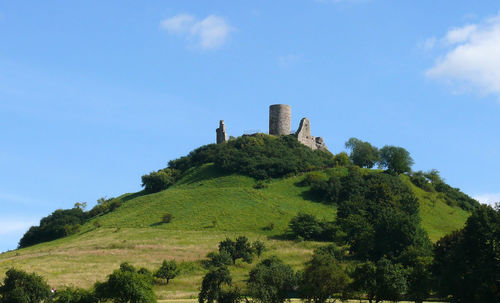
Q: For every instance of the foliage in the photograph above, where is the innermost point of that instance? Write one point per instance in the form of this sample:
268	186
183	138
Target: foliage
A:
260	156
60	223
381	281
168	270
160	180
395	159
212	283
308	227
342	159
104	205
217	259
74	295
258	247
239	249
126	285
323	278
363	154
167	218
271	281
467	263
22	287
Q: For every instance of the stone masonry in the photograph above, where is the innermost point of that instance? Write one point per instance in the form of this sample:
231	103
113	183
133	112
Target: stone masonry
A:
221	133
304	136
280	119
280	122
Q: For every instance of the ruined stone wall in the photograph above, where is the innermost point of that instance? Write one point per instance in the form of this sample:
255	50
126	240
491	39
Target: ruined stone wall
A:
304	136
280	119
221	133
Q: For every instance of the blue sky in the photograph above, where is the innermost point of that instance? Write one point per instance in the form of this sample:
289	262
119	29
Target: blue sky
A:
94	94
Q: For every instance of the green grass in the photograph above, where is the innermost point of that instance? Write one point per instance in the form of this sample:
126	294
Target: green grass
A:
208	206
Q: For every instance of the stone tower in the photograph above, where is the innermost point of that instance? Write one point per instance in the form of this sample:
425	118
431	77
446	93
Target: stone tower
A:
280	117
221	133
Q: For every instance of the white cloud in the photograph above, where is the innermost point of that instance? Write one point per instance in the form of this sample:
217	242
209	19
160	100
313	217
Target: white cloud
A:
209	33
488	198
472	58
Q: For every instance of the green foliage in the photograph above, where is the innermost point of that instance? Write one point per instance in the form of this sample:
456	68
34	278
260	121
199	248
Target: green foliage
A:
395	159
381	281
239	249
60	223
259	156
258	247
74	295
22	287
312	178
271	281
167	218
467	263
104	206
363	154
212	286
126	285
377	212
323	278
168	270
217	259
342	159
308	227
160	180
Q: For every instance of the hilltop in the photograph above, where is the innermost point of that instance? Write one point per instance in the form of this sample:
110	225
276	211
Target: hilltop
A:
210	198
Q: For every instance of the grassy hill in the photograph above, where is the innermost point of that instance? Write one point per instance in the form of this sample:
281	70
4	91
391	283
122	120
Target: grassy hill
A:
208	205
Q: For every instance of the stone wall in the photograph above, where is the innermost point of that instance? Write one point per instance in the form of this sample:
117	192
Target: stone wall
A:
304	136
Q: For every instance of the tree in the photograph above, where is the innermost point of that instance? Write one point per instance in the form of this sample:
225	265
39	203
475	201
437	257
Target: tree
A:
160	180
363	154
395	159
323	278
258	247
391	281
217	259
22	287
168	270
211	286
305	226
239	249
466	262
126	285
271	280
381	281
420	279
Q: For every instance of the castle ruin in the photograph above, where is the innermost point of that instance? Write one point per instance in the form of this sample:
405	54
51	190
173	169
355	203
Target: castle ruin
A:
280	122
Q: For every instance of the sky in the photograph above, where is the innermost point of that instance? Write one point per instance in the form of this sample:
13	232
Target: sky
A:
95	94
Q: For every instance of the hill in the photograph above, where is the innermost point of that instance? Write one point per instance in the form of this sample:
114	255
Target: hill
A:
208	204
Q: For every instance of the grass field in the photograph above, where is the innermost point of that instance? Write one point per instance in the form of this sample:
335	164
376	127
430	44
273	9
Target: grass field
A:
207	206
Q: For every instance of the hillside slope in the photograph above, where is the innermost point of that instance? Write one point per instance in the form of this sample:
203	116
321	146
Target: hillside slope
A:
208	205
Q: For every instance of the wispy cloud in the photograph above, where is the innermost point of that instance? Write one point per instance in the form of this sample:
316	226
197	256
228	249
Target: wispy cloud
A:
287	60
471	61
14	226
490	198
209	33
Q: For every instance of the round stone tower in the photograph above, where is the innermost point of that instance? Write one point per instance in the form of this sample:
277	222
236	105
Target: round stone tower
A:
280	119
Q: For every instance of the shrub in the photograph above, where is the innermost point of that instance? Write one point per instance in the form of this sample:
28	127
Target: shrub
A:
167	218
160	180
74	295
21	287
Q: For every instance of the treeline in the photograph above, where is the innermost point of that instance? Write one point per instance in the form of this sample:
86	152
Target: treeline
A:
461	267
65	222
126	284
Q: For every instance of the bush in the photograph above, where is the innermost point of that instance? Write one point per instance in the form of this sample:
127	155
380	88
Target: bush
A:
160	180
167	218
60	223
21	287
74	295
312	178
